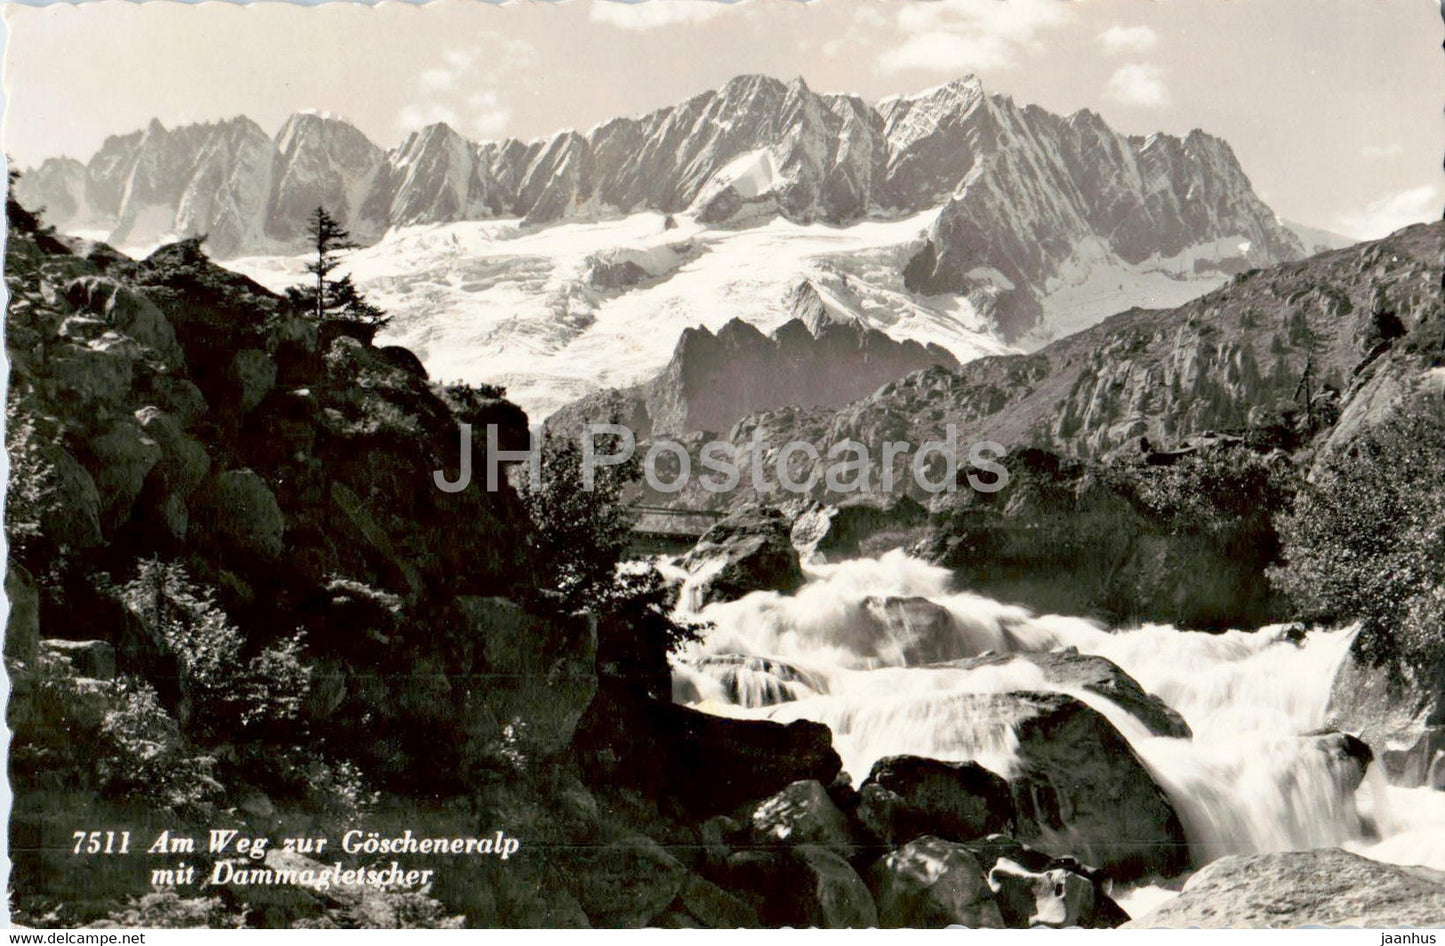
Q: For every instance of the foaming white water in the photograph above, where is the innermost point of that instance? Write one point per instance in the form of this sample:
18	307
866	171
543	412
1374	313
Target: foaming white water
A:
865	647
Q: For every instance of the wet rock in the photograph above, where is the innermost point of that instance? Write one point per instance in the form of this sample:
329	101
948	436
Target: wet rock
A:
1398	715
932	883
1102	676
756	554
803	813
93	659
751	681
1026	902
843	530
906	797
1054	897
1326	887
826	892
1080	790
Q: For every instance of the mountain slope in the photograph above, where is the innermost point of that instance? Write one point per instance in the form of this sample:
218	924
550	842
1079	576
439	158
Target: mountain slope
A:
1328	345
1027	197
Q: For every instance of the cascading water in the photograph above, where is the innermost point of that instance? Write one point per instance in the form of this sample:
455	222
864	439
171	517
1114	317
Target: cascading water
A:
877	650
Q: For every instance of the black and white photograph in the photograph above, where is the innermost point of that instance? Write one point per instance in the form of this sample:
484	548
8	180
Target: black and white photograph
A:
881	464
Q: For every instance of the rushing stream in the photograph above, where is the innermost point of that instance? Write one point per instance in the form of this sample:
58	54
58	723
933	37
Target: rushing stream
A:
859	648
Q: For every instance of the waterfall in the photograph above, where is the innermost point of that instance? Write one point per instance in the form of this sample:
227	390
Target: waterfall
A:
879	650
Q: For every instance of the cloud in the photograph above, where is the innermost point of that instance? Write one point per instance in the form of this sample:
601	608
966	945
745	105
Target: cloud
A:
1138	85
651	14
459	88
1384	216
1128	39
960	36
1383	151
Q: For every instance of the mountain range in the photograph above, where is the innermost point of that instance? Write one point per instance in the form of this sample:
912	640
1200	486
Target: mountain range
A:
1023	197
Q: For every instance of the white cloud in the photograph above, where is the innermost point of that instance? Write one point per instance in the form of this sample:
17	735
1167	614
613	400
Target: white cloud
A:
960	36
449	90
1384	216
1138	85
414	117
650	14
489	114
1128	39
1383	151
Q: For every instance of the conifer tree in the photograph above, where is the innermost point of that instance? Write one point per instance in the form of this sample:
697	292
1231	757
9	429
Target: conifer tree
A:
332	298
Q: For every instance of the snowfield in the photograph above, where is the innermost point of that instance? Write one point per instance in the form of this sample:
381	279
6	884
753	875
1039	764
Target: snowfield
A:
558	312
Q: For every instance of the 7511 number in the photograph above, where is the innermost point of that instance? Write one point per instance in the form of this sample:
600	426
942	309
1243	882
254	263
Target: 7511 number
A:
102	842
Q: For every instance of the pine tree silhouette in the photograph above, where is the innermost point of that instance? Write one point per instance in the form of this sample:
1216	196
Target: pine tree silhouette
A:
332	298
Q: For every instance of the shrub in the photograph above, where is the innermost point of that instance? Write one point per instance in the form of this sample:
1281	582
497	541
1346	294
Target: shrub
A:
144	755
223	694
167	910
580	533
1365	541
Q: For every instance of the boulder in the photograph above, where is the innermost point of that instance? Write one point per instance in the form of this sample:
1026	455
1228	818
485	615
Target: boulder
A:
703	764
626	883
1055	897
1327	887
714	908
867	521
1026	883
22	626
746	552
121	459
237	508
803	813
539	669
1080	790
824	891
918	631
94	659
72	515
126	311
906	797
252	375
1102	676
183	461
1398	715
932	883
97	382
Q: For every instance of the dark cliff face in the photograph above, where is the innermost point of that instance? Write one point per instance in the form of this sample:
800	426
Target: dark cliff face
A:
715	379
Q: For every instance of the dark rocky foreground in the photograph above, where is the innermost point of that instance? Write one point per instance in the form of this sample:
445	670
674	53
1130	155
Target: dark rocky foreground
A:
241	604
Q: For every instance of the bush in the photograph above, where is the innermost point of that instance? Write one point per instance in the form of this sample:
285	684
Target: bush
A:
167	910
580	533
223	694
1365	541
144	755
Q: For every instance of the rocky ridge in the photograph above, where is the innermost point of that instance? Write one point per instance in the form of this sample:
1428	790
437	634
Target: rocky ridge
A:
1024	193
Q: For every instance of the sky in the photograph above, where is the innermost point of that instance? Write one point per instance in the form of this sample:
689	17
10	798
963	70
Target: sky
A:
1333	106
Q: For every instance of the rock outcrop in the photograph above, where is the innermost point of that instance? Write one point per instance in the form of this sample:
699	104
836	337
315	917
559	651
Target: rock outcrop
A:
1301	889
